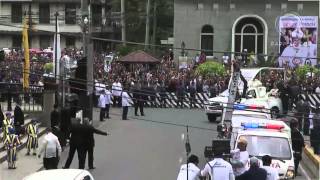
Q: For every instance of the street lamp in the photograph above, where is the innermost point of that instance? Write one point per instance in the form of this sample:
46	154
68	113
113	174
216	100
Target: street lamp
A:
183	47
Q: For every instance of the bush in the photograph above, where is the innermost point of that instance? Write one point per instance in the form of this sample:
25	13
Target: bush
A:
211	68
302	71
48	68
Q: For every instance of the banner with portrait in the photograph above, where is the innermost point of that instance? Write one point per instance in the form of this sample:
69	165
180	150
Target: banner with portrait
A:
298	40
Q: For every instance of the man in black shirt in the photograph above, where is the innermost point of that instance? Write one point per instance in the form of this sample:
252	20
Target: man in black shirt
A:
297	143
254	173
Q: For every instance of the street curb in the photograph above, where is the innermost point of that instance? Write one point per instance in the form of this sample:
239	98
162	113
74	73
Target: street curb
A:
314	158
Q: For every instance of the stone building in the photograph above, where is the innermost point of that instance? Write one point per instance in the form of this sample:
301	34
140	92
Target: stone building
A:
42	13
234	25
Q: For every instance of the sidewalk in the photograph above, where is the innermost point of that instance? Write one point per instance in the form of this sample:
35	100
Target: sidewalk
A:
25	166
29	164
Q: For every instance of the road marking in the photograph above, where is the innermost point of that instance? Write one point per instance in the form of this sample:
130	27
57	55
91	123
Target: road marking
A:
304	173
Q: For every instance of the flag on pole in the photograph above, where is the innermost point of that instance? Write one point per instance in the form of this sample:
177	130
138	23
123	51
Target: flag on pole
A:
26	64
56	50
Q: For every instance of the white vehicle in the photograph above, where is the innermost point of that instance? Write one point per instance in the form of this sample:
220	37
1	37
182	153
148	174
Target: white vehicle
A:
61	174
266	137
256	94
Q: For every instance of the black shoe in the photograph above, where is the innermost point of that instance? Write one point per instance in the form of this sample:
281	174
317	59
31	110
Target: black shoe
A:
108	117
28	154
142	114
124	119
34	154
92	167
136	115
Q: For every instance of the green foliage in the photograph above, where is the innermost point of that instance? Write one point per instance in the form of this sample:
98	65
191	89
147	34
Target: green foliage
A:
48	68
302	71
210	68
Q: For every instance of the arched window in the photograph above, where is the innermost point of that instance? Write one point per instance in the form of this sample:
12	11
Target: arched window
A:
249	34
207	32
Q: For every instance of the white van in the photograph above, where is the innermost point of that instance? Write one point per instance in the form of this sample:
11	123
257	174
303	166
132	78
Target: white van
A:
267	137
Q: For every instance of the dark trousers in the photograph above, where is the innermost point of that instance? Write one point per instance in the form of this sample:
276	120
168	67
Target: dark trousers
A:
117	101
139	105
192	101
107	110
125	112
81	156
315	140
50	163
296	165
102	113
90	157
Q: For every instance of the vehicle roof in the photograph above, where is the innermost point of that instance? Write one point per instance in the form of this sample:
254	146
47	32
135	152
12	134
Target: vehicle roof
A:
61	174
246	114
263	132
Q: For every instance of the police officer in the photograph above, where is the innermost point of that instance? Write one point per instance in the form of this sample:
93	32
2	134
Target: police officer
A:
137	95
218	168
102	104
126	100
108	97
32	141
192	171
11	142
192	91
297	144
55	116
315	131
272	173
254	172
7	123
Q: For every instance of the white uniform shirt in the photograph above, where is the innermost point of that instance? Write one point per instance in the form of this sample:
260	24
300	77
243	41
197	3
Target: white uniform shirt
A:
102	101
218	169
193	173
272	173
107	97
125	99
50	146
244	159
116	89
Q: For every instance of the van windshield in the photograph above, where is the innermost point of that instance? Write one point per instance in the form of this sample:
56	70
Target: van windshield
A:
276	147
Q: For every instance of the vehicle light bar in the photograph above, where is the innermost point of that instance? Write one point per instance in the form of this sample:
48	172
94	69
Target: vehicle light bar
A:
244	107
262	126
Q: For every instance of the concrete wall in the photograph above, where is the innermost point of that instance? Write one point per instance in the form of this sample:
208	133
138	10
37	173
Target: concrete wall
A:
188	20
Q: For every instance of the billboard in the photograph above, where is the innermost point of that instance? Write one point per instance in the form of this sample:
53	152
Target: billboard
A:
298	40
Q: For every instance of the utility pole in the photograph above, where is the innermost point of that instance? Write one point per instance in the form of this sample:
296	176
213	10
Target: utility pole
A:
154	24
147	38
30	25
56	46
123	22
88	53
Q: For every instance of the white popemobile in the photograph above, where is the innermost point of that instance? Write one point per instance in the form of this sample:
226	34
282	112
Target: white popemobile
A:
256	94
265	137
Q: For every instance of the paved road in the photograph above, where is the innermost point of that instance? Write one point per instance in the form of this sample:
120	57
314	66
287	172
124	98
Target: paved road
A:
149	147
139	149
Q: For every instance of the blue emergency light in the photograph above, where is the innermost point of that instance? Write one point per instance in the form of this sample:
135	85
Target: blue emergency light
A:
245	107
262	126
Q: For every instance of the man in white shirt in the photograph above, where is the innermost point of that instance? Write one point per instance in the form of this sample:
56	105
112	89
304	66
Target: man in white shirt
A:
240	158
126	100
192	172
52	150
102	104
218	168
107	98
272	173
116	92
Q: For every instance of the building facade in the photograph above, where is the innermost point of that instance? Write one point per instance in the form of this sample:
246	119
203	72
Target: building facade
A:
42	13
234	25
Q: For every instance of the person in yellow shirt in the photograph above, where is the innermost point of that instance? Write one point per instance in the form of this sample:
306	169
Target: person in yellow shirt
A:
7	123
32	141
